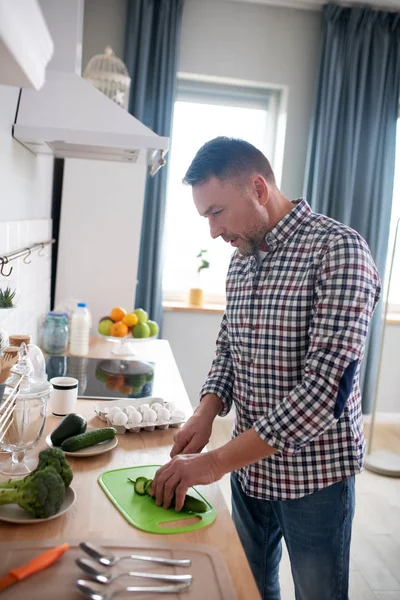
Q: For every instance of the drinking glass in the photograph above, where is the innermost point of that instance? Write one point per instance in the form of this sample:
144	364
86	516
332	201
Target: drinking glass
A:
26	429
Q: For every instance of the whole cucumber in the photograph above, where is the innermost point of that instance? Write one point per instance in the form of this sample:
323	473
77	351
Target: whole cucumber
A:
190	505
90	438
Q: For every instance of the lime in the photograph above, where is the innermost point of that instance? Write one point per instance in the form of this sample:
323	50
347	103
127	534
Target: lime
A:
141	330
153	327
141	315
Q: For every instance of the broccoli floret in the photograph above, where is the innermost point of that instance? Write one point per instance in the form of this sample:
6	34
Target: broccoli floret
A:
41	494
51	457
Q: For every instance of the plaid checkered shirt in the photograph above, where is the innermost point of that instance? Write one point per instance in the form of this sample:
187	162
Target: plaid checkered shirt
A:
289	351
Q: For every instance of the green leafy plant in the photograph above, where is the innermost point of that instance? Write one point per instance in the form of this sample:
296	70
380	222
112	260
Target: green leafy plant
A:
204	264
6	297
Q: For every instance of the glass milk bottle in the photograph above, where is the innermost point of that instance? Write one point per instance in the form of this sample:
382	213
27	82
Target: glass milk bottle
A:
80	331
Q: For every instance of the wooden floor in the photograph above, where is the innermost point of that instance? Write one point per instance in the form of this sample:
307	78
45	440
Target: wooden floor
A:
375	550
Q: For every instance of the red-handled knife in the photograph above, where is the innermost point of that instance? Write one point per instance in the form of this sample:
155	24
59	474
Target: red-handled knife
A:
37	564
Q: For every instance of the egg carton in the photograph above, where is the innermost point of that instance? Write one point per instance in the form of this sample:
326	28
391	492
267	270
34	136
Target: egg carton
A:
102	410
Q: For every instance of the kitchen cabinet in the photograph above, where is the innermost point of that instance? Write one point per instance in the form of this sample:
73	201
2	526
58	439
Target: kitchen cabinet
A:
26	46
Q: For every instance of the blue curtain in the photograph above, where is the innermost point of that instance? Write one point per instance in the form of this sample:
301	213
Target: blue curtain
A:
151	54
351	157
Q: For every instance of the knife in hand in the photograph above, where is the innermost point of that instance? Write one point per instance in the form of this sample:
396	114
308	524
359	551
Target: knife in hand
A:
37	564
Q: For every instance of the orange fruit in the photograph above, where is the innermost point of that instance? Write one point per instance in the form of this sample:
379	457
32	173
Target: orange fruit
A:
118	329
117	314
130	319
125	390
114	382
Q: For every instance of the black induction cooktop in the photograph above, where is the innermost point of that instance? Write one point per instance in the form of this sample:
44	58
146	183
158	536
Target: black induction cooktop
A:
111	379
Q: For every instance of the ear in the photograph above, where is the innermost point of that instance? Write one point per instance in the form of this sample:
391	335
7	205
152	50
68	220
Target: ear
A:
261	189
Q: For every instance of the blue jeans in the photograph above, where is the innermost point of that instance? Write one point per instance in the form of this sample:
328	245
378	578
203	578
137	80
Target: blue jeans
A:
317	532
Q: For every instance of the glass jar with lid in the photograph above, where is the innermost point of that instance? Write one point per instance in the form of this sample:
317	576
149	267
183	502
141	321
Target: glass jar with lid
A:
29	413
55	333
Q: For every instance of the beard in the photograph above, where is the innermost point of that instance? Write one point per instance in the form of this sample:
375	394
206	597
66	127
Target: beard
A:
249	247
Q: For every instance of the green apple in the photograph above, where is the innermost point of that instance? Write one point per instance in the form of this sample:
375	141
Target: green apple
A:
153	327
101	375
104	327
141	330
142	316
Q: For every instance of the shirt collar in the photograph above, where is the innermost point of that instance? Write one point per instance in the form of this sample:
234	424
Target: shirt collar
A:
287	226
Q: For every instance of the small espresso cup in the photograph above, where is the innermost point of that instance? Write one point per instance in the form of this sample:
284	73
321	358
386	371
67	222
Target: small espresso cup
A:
63	396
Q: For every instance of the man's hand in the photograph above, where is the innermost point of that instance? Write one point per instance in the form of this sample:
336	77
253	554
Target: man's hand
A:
186	470
193	436
180	474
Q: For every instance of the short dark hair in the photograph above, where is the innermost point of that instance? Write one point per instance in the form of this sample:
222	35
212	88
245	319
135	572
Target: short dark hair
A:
227	158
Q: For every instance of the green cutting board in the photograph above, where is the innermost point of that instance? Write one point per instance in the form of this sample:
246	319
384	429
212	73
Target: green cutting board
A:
142	511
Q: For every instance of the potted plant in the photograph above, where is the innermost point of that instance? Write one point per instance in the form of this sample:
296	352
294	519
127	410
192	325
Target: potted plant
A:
196	295
7	296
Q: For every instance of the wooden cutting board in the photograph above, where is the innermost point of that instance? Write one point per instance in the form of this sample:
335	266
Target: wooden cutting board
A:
211	579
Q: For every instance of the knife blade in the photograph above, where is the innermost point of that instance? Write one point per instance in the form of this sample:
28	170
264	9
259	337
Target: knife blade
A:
39	563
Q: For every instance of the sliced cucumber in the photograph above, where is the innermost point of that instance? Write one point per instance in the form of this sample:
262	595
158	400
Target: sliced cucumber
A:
147	486
140	485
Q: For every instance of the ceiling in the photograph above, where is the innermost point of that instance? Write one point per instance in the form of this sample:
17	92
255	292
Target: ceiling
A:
317	4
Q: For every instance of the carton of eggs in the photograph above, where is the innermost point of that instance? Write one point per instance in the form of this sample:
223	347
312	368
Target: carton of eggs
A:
154	413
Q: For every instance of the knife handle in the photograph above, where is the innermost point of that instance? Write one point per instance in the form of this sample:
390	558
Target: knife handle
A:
40	562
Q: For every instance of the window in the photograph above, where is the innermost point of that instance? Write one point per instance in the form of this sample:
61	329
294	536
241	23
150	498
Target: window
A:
394	292
203	111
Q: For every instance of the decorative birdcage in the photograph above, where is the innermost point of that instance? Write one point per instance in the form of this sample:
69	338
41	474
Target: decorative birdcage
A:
109	75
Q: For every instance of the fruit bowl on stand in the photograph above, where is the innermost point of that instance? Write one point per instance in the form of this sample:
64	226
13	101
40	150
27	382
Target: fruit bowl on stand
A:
126	346
128	329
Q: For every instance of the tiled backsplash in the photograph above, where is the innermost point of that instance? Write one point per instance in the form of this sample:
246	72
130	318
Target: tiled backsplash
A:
33	280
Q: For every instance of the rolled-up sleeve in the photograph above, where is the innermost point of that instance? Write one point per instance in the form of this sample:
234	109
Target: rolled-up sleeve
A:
220	377
346	292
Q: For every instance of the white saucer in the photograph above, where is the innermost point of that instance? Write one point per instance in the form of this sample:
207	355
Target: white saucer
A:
91	450
12	513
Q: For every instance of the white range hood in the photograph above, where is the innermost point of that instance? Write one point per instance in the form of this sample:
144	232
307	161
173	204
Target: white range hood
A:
68	117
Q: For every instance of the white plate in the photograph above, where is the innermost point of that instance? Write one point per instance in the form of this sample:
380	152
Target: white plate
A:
12	513
91	450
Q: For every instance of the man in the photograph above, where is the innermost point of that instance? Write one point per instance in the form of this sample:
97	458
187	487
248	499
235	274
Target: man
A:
301	289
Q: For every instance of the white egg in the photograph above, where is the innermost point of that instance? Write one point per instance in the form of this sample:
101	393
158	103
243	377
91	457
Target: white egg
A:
113	411
135	417
143	408
157	407
165	414
150	416
129	409
120	418
177	415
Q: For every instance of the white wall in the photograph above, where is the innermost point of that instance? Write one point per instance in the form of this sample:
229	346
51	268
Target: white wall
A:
25	180
25	207
103	25
192	337
100	225
277	46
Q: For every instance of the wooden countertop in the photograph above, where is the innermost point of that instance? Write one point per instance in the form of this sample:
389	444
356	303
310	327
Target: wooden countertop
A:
93	516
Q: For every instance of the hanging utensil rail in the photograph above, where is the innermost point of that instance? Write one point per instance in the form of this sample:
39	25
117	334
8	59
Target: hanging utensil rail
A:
23	252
